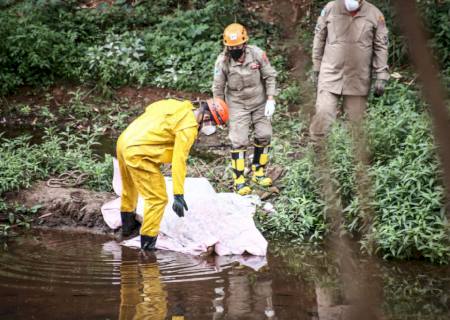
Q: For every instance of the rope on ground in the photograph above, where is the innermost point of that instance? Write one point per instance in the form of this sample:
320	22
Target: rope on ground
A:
68	179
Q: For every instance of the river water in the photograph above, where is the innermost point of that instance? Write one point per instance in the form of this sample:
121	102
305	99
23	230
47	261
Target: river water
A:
48	274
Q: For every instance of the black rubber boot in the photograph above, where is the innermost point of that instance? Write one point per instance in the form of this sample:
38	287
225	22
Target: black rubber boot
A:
148	243
129	223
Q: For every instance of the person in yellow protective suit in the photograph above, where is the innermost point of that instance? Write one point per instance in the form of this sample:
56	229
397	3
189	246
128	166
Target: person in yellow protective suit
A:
245	79
163	134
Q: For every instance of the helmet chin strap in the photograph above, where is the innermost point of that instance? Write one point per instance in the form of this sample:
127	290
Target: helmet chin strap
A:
203	111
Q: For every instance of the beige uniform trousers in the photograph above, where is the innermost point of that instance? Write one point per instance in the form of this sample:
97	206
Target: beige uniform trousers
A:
242	118
327	109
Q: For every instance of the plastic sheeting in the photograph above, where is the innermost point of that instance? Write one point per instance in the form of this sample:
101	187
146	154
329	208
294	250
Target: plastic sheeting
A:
220	220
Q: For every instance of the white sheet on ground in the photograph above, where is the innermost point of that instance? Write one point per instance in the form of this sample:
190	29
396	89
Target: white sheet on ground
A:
222	220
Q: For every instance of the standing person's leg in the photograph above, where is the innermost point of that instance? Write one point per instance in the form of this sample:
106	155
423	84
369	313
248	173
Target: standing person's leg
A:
129	195
240	120
263	136
326	113
152	187
355	107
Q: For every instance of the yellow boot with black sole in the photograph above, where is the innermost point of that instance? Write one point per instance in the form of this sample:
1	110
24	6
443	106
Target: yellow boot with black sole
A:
260	160
238	165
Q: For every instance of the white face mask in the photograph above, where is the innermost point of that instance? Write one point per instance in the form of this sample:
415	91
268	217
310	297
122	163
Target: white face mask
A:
208	130
352	5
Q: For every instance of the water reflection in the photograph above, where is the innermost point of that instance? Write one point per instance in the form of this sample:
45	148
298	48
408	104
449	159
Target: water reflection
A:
141	290
54	275
149	279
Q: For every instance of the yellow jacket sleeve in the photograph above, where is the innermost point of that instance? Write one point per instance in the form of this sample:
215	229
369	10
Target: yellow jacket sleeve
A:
184	139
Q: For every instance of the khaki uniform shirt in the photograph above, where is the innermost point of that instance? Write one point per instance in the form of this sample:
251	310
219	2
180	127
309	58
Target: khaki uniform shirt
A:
245	84
348	49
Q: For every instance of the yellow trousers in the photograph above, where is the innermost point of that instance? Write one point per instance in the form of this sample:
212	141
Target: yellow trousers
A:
140	171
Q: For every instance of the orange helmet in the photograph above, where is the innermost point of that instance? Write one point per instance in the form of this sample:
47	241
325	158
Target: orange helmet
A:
234	35
219	110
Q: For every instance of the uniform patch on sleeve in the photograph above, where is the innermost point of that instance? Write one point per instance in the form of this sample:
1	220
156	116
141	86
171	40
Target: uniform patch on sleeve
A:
381	21
323	12
264	57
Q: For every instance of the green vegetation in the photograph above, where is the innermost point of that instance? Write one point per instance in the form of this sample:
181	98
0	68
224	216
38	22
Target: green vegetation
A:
408	197
46	41
173	44
408	194
407	200
22	163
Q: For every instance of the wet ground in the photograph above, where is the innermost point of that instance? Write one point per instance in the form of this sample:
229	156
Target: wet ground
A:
62	275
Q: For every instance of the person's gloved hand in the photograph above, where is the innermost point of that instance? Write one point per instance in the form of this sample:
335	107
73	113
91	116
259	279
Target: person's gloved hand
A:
379	86
270	108
315	78
179	205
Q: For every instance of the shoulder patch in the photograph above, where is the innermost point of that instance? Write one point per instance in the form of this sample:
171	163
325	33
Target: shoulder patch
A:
381	22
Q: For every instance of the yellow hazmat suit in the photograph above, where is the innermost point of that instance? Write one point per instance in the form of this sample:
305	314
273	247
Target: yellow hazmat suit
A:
163	134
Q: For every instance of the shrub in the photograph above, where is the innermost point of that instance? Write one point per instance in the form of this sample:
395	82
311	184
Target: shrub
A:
299	211
183	47
47	41
409	200
23	163
118	61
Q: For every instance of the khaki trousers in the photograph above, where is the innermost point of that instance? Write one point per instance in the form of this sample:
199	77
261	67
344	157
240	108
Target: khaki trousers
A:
327	109
242	118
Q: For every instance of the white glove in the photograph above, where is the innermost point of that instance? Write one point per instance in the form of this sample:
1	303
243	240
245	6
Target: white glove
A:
270	108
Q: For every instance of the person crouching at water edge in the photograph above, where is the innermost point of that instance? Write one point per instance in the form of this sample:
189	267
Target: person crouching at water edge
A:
163	134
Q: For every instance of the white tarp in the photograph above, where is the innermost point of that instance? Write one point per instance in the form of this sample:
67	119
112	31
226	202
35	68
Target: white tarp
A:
222	220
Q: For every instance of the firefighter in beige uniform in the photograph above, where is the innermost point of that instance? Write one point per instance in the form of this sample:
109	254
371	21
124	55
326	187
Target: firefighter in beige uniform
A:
350	46
244	78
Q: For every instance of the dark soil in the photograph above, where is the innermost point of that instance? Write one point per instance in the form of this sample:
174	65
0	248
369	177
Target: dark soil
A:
298	58
59	95
65	208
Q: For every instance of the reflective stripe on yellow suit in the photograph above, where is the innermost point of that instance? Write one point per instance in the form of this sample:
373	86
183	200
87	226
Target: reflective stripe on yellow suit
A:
163	134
